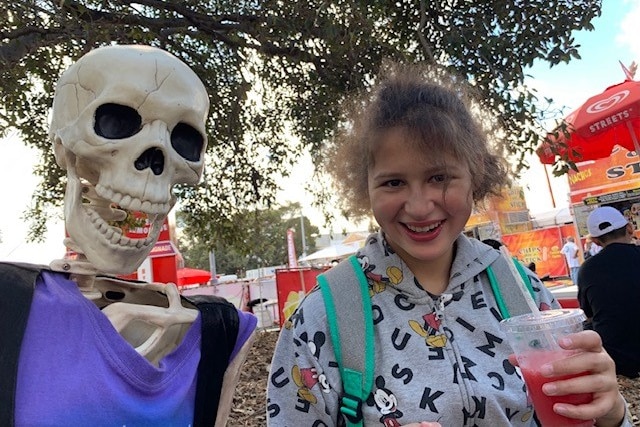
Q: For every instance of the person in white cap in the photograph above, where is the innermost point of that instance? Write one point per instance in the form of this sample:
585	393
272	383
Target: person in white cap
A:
571	253
609	288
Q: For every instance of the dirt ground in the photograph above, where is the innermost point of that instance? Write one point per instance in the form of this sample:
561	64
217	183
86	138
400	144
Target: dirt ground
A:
249	401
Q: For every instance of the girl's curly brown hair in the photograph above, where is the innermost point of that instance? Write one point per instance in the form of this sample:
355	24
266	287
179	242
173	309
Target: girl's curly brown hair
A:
435	113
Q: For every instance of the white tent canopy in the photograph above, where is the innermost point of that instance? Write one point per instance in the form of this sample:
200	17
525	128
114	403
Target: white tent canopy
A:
553	217
351	243
332	252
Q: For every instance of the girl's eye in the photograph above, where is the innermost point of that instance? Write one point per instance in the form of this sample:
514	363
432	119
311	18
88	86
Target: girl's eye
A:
393	183
439	178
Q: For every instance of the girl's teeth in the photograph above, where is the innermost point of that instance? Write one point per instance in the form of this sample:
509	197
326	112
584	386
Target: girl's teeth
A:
423	229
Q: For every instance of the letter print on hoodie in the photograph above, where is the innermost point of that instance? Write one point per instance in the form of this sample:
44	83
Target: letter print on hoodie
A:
437	358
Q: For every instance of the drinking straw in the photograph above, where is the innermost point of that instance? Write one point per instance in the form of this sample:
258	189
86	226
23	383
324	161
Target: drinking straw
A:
523	288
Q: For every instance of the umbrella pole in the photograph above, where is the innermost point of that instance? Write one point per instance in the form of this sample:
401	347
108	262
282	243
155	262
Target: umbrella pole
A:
546	174
634	138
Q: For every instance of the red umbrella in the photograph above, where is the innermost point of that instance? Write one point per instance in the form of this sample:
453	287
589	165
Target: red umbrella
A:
192	276
603	121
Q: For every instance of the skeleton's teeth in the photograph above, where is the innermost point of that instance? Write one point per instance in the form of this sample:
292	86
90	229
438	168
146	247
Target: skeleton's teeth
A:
109	233
125	202
115	237
129	202
93	217
100	215
104	192
158	208
117	198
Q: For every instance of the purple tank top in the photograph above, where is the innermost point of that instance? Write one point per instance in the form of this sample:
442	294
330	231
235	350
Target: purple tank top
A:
75	369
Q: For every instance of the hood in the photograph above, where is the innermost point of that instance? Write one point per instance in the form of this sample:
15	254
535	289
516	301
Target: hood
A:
383	265
472	257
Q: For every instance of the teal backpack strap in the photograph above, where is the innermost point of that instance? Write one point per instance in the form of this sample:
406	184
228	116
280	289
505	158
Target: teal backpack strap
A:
348	314
508	296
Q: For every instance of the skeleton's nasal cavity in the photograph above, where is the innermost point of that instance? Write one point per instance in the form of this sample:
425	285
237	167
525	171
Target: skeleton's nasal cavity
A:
151	158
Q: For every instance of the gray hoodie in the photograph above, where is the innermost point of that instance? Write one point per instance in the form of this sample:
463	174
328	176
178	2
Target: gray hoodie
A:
438	358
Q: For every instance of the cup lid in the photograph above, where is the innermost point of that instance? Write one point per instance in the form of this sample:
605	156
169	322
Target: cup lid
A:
544	320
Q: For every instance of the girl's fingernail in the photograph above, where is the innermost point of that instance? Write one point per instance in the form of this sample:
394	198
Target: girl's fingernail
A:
549	389
565	342
546	369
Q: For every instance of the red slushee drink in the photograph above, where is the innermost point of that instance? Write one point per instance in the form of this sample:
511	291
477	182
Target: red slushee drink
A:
542	403
534	340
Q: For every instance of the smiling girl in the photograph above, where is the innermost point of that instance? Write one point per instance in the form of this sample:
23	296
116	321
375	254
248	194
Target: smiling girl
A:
413	155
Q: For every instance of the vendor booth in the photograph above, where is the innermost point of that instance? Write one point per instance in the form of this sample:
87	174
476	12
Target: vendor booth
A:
610	181
500	215
542	247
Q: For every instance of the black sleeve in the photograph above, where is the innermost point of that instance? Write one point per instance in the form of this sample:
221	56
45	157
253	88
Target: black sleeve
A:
583	290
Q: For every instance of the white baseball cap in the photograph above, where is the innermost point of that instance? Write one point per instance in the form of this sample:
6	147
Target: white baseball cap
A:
605	219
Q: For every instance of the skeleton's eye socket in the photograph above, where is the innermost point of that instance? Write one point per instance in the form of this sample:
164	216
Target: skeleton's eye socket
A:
114	121
187	141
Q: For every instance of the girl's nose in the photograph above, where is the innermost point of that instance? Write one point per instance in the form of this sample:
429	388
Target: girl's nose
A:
421	201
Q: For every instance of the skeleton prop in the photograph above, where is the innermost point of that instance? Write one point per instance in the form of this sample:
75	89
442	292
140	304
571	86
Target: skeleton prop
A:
128	124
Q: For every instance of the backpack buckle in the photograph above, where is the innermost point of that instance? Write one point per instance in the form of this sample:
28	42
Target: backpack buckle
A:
351	407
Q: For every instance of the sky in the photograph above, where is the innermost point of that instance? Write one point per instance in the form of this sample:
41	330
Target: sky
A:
616	37
16	173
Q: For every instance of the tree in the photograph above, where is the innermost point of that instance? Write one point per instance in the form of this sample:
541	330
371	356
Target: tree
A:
278	70
265	245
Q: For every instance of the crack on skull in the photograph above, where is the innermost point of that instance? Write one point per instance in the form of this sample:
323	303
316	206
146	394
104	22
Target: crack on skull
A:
157	82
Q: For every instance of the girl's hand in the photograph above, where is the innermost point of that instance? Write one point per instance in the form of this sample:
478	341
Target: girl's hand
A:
608	406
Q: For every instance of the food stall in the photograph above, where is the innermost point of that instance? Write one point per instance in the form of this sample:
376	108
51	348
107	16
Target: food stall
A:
610	181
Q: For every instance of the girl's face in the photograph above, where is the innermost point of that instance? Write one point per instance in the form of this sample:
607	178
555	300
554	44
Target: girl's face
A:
421	220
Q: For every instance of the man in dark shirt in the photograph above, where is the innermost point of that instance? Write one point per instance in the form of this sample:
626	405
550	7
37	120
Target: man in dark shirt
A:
609	288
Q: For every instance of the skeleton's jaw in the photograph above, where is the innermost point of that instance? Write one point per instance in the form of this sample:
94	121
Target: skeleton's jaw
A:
113	236
106	248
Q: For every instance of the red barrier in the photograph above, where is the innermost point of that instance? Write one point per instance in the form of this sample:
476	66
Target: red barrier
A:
292	284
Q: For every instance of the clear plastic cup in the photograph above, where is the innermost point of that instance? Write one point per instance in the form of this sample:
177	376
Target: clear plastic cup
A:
534	340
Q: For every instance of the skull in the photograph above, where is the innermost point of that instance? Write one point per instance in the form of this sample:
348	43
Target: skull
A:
128	123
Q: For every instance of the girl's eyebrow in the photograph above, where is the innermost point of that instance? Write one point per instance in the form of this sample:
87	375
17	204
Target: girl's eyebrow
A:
442	168
454	165
386	175
433	169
